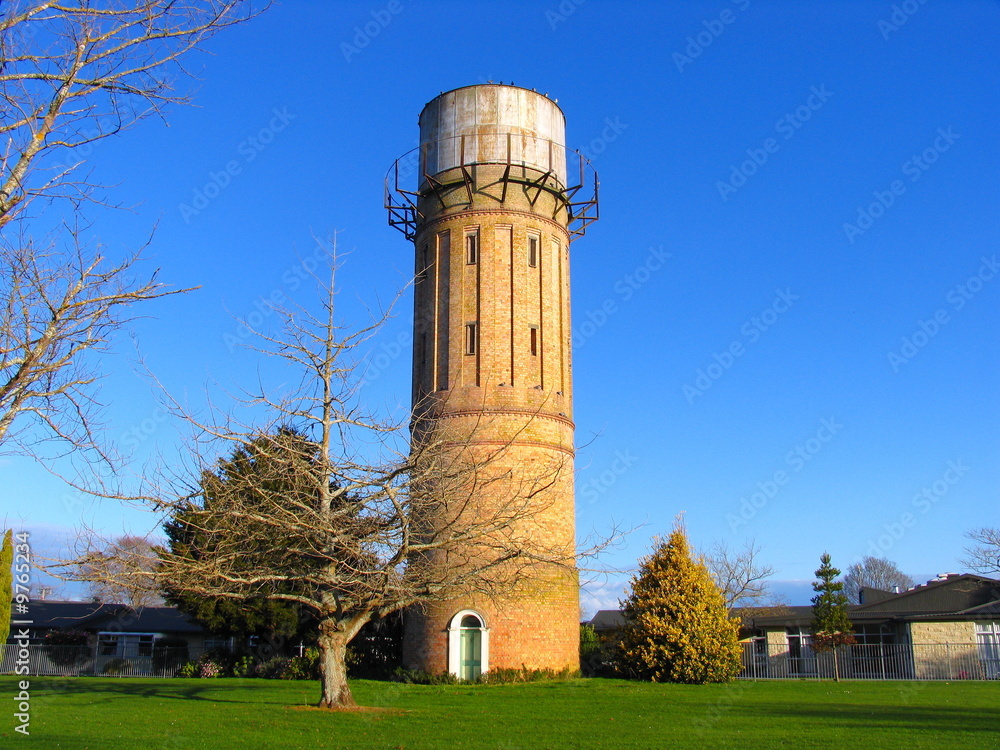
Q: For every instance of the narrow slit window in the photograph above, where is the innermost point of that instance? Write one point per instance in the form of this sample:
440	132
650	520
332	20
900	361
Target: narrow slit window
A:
471	338
423	351
422	263
533	252
472	248
534	341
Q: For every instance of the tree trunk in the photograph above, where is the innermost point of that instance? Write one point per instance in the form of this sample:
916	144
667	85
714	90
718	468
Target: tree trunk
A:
836	665
333	669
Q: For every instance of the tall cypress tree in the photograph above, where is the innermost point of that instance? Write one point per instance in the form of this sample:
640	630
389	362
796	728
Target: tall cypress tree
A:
678	629
831	626
6	584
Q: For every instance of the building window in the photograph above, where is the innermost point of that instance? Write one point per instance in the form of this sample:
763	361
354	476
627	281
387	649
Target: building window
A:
422	263
219	644
988	637
534	341
533	251
471	338
125	645
801	657
472	247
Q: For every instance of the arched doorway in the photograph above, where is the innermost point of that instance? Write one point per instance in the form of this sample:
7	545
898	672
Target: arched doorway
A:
468	645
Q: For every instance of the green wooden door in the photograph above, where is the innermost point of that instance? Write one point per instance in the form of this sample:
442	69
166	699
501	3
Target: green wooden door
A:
472	653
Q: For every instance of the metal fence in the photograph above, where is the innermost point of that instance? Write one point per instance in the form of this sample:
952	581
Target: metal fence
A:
897	661
760	662
77	661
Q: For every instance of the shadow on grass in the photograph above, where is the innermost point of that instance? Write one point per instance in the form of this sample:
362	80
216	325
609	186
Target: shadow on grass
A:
936	718
210	690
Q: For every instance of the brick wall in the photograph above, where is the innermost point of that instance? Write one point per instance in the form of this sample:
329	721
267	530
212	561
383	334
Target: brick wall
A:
510	391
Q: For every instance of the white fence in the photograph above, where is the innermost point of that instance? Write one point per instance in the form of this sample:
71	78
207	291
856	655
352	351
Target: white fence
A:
898	661
760	662
76	661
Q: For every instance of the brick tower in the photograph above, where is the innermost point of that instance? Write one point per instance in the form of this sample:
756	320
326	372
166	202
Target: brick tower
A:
491	199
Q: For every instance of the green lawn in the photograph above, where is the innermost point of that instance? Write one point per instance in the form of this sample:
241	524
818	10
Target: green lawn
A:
230	713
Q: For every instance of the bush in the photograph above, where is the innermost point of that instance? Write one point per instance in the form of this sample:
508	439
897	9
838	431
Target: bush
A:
501	676
506	676
597	653
305	667
208	668
418	677
67	648
245	666
204	667
273	668
169	653
116	667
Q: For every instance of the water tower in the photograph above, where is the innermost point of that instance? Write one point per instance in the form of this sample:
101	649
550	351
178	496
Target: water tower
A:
492	199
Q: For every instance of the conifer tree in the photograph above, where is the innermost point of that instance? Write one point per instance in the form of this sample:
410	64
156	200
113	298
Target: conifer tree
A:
678	629
6	583
831	626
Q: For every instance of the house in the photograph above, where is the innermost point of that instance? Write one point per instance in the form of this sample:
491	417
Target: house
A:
115	632
947	628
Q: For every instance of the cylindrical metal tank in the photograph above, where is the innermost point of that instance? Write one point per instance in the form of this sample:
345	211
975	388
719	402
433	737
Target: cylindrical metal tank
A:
493	124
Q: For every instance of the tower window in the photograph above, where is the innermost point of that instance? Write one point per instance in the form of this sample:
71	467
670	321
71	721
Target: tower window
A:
472	248
471	338
422	263
534	341
533	251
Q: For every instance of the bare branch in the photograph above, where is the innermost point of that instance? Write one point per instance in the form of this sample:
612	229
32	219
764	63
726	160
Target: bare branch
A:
739	575
984	555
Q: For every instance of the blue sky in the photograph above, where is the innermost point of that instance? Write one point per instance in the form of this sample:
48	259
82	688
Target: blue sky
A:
785	321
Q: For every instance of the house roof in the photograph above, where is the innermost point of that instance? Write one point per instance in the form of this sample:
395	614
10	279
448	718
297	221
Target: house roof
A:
607	619
93	616
952	594
954	597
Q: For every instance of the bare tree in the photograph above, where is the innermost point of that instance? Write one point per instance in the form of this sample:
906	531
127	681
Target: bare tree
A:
739	575
342	513
984	555
874	573
123	573
74	72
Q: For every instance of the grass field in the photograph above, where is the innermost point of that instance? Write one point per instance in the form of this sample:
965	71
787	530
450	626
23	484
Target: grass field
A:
230	713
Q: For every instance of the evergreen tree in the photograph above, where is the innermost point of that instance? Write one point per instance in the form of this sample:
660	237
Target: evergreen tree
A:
678	629
831	626
253	479
6	585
